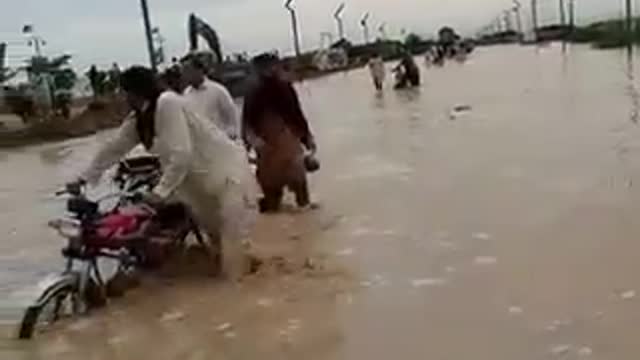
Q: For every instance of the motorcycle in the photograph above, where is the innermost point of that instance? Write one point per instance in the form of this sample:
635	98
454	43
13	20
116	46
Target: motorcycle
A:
126	233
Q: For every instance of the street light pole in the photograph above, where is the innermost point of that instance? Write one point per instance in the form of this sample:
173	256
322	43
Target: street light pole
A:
534	17
294	27
572	14
516	10
629	11
365	27
336	16
563	15
149	35
507	20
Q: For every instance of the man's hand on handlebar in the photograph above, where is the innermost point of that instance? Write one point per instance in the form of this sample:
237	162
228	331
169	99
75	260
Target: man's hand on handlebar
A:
150	199
75	188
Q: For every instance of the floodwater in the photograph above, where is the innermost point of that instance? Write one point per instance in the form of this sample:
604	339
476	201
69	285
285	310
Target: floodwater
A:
504	230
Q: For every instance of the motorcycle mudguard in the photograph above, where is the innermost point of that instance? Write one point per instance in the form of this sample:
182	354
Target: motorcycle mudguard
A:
54	283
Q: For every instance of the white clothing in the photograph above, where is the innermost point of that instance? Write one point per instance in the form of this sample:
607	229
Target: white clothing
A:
201	167
377	69
213	101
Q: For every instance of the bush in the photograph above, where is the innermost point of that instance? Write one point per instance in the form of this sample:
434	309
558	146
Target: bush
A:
607	34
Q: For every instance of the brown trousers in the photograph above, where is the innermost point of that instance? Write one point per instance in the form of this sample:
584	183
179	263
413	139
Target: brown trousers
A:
281	165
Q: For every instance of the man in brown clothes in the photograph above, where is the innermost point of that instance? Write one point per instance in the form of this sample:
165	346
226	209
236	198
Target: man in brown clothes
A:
274	125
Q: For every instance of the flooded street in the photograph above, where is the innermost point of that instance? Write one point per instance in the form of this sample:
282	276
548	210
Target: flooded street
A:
491	214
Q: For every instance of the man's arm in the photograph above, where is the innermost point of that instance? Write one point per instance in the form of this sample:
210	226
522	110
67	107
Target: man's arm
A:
229	113
125	139
292	111
249	113
173	143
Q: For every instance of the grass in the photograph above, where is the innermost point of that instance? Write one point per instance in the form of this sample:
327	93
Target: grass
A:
607	34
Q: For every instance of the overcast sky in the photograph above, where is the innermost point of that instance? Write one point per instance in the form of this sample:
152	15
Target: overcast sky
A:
111	30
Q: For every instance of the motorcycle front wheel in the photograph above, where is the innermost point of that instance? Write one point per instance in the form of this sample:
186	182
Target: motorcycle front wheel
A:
51	308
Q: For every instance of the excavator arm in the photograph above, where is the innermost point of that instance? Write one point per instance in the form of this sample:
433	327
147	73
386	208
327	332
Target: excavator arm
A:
197	27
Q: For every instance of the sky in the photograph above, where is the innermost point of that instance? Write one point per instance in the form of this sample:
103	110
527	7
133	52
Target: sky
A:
107	31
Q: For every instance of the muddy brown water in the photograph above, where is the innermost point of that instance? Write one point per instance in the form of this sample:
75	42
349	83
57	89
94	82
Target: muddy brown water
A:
504	230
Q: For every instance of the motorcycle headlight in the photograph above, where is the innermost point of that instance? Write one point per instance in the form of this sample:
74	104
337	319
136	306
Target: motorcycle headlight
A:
69	229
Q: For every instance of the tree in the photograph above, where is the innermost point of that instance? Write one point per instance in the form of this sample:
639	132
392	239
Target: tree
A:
38	65
55	76
412	40
63	82
448	35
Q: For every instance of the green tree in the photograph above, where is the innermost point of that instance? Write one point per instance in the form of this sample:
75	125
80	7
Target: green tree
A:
43	65
448	35
65	79
412	40
60	78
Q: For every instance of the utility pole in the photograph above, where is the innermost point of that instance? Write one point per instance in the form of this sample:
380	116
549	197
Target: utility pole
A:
507	20
159	40
34	39
572	14
294	27
149	35
365	27
337	16
563	14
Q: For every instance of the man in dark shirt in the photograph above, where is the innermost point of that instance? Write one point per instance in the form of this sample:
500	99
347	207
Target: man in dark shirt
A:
409	72
274	125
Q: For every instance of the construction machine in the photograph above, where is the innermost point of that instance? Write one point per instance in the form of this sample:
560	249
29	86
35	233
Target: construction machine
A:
234	73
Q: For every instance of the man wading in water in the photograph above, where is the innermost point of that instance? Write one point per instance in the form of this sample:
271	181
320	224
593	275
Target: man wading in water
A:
275	126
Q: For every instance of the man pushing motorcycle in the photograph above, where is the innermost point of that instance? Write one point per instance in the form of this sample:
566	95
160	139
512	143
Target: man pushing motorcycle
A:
201	166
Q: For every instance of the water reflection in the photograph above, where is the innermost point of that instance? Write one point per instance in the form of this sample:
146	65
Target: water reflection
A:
56	154
408	95
631	89
379	100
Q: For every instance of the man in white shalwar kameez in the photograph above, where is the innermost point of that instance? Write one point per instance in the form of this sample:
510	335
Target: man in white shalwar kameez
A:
201	166
378	72
209	98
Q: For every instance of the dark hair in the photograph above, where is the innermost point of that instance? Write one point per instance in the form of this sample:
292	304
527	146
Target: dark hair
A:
194	61
265	60
172	78
142	81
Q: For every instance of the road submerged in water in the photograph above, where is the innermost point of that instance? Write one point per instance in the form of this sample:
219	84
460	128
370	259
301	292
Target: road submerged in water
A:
489	214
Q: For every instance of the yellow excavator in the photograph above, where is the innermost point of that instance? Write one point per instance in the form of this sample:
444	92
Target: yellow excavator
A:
232	73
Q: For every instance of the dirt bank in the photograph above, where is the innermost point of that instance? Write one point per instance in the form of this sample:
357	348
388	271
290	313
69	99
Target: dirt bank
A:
96	116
